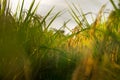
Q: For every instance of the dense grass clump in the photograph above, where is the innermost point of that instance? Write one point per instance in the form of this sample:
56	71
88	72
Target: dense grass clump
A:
30	50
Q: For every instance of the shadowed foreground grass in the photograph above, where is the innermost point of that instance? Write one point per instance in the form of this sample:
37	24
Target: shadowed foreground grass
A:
30	50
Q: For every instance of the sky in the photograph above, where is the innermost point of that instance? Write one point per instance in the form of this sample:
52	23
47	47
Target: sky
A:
61	5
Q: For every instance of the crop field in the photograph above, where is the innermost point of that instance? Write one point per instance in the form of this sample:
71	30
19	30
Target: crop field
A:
31	50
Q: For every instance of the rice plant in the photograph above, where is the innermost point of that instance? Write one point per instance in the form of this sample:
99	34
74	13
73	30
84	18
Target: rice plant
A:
98	43
31	50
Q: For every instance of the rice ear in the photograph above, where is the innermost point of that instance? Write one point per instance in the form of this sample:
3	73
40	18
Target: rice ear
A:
99	16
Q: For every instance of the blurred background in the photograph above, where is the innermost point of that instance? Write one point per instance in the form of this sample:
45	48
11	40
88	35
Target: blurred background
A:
61	5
